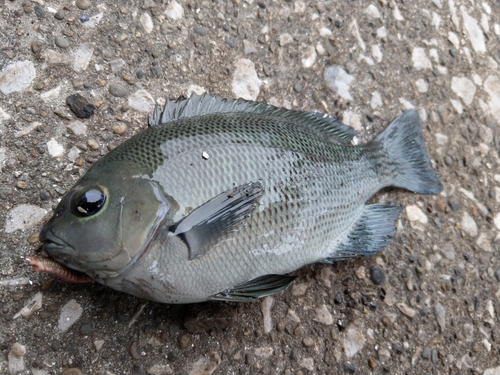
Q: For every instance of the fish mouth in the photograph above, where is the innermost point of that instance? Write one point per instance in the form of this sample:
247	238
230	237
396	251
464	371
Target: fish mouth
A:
51	244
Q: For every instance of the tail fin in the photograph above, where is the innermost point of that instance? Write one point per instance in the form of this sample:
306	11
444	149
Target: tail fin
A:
404	144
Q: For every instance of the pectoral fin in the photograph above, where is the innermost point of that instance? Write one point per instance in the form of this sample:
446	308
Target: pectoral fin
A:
221	215
257	288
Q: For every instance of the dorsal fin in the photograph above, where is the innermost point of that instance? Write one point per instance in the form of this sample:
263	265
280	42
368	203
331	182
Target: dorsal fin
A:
205	104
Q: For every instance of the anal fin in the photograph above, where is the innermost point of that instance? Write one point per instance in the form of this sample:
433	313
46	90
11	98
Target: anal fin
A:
373	231
257	288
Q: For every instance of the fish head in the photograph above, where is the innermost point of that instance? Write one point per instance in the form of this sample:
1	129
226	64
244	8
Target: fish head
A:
105	222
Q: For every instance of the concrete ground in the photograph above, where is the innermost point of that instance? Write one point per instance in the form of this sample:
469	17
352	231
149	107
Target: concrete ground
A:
427	304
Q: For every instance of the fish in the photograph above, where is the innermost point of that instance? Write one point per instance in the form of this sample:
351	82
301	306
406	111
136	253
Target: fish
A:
221	199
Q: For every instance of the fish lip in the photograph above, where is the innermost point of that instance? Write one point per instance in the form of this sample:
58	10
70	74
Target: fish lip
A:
51	241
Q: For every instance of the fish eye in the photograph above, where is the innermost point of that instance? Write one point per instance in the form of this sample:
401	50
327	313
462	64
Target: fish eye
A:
88	202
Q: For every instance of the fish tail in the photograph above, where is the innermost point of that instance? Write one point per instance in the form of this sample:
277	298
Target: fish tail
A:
407	157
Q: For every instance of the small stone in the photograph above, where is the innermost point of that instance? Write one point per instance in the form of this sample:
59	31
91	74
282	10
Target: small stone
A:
78	128
426	353
134	352
16	358
377	276
420	60
82	57
39	11
183	341
248	47
232	42
83	4
308	341
454	204
200	30
297	87
98	344
406	310
34	304
307	363
142	101
116	64
384	355
265	308
61	41
285	39
80	106
354	340
17	77
449	251
21	184
119	129
93	144
147	22
70	313
338	81
119	38
206	365
468	225
264	352
416	216
360	272
474	32
350	367
464	88
309	57
34	238
246	84
492	371
496	220
323	316
59	15
118	90
174	10
440	313
23	217
160	370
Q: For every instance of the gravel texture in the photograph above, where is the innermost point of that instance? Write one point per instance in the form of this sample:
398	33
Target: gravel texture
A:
427	304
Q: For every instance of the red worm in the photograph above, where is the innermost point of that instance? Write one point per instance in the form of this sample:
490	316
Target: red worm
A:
50	266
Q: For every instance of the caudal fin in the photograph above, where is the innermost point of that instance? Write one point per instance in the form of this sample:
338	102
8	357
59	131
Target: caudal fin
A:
404	144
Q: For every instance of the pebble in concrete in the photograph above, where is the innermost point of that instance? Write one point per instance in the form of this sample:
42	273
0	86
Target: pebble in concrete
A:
246	84
82	57
468	224
70	313
338	81
354	340
147	22
174	11
323	316
17	77
141	101
206	365
23	217
420	59
464	88
473	31
16	358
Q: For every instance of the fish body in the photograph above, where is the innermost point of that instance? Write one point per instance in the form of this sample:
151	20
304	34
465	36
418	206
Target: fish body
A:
220	199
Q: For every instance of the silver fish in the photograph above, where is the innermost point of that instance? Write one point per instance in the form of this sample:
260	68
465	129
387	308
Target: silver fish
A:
220	199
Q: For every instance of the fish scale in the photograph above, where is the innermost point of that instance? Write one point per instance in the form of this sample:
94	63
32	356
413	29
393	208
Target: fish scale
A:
220	199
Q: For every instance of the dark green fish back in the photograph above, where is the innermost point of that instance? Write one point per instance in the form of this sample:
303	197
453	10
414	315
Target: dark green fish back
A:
289	133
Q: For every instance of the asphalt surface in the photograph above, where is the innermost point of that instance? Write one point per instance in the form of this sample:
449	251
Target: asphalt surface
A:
427	304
